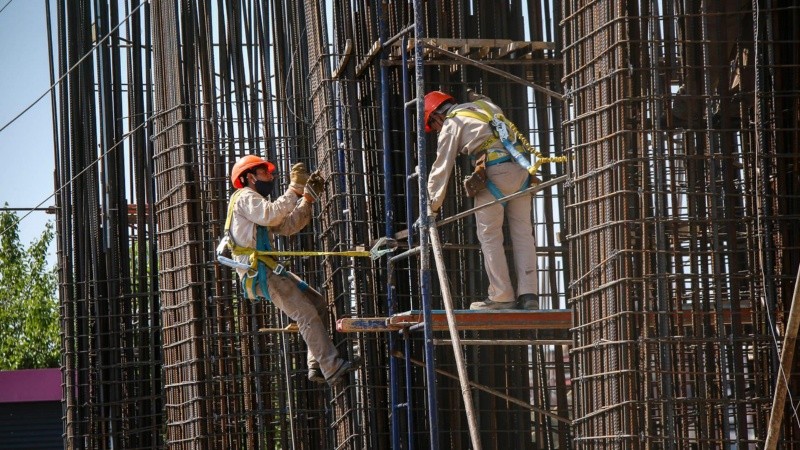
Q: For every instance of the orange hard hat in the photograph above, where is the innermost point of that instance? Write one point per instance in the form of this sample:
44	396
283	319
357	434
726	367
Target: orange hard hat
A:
433	100
246	163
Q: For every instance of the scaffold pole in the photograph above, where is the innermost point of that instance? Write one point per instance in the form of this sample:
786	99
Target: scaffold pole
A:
444	284
785	371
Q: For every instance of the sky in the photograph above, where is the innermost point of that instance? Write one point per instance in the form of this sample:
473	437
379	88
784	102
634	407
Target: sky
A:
27	162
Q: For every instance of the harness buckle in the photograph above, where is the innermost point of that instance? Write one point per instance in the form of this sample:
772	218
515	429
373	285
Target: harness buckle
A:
224	247
500	127
279	269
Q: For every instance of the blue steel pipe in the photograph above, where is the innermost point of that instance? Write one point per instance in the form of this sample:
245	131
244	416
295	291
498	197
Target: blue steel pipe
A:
408	148
383	33
424	238
409	220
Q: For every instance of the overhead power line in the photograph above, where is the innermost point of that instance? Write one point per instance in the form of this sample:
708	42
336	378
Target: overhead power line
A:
39	206
52	86
5	6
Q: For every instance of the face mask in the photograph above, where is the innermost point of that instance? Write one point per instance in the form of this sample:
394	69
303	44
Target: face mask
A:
264	188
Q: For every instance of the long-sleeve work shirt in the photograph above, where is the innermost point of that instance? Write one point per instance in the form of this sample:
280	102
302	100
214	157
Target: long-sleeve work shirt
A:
459	135
284	216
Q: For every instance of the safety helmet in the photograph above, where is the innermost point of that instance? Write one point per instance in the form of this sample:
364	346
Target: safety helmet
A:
433	100
246	163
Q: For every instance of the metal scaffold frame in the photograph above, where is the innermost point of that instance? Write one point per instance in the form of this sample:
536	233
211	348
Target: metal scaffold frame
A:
426	226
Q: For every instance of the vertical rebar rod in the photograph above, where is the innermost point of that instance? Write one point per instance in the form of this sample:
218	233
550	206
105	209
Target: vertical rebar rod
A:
716	257
425	271
659	203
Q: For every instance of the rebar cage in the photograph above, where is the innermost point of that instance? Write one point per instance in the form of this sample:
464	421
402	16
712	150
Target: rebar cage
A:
669	248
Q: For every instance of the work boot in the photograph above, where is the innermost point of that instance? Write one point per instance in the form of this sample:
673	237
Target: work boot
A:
344	369
528	301
315	375
491	305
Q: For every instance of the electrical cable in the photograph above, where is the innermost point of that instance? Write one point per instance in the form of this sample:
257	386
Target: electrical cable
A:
98	159
5	6
52	86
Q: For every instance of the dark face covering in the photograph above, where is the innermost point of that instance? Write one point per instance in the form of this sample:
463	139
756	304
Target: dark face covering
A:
264	188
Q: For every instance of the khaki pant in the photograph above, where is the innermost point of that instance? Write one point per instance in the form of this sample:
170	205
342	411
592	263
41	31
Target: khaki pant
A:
308	309
508	177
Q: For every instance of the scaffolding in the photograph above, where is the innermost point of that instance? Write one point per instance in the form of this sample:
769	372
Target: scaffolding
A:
665	244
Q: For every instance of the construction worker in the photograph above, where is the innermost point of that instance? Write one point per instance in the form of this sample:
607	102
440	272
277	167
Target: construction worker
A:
252	218
464	129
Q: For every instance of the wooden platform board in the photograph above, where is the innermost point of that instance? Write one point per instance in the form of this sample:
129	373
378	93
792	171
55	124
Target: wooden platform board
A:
479	48
549	319
558	319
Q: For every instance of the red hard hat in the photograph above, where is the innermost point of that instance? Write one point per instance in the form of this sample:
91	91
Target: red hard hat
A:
246	163
433	100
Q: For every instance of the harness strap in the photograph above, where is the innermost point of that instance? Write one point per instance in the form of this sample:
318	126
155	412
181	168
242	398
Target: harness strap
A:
499	158
517	148
260	260
498	194
483	115
494	156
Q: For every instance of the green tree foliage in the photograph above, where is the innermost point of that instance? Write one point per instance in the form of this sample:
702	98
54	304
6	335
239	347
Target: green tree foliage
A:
29	331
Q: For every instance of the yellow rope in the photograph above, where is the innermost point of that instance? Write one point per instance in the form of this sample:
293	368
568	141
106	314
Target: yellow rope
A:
540	160
355	253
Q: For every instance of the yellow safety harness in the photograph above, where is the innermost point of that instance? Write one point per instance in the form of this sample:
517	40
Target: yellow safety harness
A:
256	275
515	146
494	155
484	115
515	139
262	257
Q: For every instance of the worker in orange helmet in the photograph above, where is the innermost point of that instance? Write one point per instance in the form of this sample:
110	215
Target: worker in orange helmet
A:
252	218
465	129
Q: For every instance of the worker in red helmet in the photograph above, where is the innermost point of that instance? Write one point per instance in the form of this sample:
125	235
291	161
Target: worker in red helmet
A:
252	218
464	129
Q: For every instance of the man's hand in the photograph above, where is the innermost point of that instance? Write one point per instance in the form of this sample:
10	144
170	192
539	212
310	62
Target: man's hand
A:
431	213
299	174
314	187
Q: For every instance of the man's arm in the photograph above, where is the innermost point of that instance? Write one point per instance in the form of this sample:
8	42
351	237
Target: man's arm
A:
296	220
299	217
447	150
261	211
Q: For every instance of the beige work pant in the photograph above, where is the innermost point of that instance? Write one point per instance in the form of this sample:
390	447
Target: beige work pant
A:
508	177
308	309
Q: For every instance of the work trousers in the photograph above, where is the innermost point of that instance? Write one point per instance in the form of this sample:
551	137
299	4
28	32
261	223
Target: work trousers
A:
508	177
308	309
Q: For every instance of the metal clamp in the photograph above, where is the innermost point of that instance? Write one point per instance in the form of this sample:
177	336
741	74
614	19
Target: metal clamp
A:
389	245
502	130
